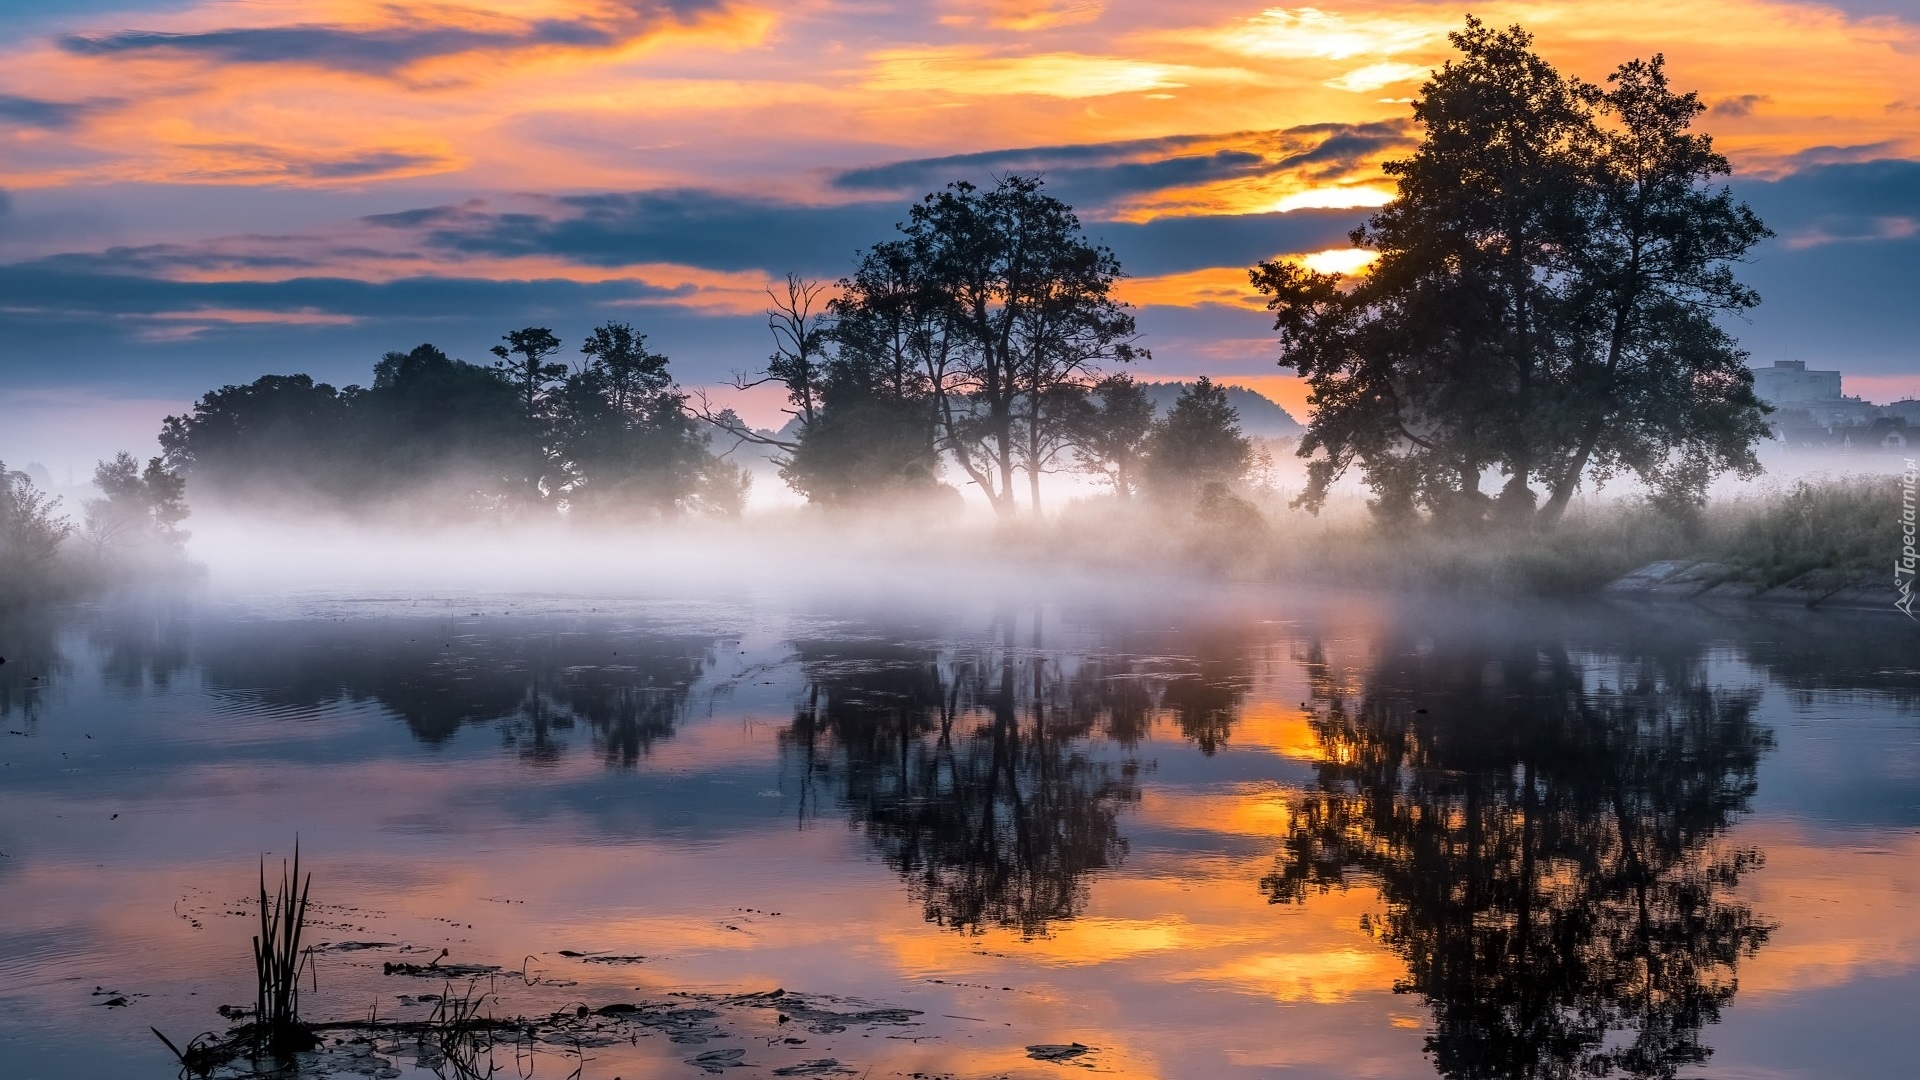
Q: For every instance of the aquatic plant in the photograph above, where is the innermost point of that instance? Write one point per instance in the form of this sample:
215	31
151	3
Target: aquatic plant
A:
203	1053
461	1034
279	961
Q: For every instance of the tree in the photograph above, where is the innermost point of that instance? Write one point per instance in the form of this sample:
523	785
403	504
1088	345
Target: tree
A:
800	343
1198	443
1659	389
871	432
524	359
31	530
1003	303
1543	301
634	376
801	356
142	507
1110	435
868	442
446	436
624	442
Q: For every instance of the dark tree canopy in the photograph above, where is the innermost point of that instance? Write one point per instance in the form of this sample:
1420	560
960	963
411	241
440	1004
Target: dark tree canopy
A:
524	360
623	441
441	438
868	426
1544	305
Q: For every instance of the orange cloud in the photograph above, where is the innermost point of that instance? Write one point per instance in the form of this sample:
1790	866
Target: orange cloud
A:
421	44
525	94
973	72
1229	285
1025	14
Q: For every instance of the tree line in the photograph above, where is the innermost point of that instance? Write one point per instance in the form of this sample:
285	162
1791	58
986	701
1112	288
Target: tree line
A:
977	341
608	435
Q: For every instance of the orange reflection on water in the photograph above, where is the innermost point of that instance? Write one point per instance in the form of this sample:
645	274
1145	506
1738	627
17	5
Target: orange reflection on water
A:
1845	908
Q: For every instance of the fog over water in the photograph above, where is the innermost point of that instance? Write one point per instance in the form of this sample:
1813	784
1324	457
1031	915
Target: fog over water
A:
1201	829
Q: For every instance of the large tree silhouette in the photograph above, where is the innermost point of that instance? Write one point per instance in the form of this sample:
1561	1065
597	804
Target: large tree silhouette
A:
1004	305
1550	839
1545	304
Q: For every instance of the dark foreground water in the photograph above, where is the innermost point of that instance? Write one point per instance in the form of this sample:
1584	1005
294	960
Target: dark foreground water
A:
1225	834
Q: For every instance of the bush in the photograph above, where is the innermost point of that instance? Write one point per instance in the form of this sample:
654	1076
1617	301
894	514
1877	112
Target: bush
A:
1841	524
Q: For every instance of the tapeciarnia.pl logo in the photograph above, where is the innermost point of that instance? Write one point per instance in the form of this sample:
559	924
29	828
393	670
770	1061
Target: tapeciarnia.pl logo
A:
1903	567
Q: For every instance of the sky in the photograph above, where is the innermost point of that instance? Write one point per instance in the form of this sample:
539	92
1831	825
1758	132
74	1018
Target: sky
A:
199	192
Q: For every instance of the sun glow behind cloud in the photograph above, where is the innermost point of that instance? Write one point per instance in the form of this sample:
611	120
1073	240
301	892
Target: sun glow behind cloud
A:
1375	76
1230	286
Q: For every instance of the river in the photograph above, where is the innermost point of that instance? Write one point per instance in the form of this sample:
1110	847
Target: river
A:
1020	831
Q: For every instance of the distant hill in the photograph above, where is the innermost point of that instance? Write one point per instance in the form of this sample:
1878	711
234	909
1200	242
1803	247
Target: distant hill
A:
1260	417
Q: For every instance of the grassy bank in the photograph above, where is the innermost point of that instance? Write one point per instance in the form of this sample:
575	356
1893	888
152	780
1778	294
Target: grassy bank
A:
1848	526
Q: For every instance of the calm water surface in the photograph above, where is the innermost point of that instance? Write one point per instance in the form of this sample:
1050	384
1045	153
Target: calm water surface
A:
1229	834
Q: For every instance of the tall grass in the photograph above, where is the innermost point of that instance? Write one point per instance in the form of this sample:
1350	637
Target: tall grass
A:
1847	525
1843	527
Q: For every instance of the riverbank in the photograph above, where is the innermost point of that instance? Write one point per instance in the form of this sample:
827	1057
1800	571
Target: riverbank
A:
1829	541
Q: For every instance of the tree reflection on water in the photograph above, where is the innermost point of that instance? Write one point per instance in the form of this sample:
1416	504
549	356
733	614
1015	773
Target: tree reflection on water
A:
972	774
1549	835
537	682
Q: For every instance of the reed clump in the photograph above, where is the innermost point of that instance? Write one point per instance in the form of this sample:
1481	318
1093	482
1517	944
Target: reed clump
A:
279	961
